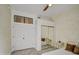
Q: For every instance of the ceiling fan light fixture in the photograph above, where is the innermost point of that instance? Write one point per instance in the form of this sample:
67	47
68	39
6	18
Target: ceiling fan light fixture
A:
49	5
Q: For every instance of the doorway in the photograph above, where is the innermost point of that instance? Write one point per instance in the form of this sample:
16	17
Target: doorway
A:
47	36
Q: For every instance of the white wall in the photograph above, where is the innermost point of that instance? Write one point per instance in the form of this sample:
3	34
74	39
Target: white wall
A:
67	25
5	38
38	35
47	22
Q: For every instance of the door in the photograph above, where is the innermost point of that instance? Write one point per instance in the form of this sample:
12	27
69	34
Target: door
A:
47	33
24	36
51	34
23	33
44	34
18	34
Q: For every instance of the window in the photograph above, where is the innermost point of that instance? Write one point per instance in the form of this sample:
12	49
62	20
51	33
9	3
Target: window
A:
21	19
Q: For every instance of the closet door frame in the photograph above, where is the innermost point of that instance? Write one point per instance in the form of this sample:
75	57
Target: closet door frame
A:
14	12
48	31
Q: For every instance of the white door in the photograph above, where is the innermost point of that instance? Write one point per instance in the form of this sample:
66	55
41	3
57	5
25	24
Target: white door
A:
29	36
24	36
51	34
47	32
18	34
44	34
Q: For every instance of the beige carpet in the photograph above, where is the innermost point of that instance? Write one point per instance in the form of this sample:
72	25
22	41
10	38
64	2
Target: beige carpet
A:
32	51
29	51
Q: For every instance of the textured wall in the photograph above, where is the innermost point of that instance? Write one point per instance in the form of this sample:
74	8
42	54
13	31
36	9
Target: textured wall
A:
67	25
5	38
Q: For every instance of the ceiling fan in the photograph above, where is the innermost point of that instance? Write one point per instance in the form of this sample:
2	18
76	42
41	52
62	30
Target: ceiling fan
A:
47	6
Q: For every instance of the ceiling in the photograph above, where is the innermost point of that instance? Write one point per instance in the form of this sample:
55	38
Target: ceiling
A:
37	9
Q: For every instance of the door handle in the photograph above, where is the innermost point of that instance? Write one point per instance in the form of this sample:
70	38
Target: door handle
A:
23	38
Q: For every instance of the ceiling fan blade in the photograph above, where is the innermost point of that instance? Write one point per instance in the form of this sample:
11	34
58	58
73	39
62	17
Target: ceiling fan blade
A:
45	8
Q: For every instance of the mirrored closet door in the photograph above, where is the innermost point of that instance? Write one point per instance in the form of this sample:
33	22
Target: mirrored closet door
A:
47	36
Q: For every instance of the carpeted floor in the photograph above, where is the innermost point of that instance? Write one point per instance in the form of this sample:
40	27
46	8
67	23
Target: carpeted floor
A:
32	51
29	51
